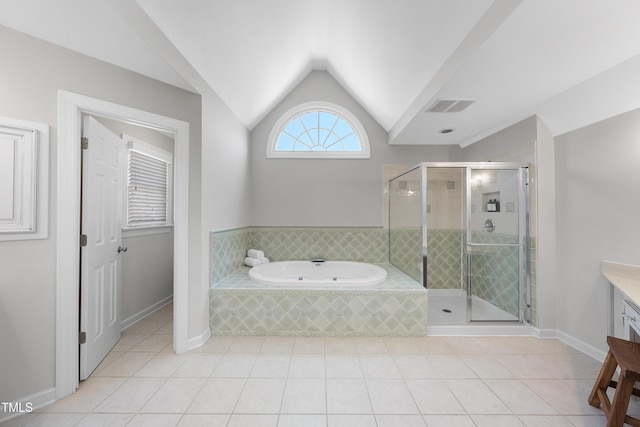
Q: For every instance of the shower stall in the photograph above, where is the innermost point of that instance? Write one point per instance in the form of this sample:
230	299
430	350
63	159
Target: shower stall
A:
461	229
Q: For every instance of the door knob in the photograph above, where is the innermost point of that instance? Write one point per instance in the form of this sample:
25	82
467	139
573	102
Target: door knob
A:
121	249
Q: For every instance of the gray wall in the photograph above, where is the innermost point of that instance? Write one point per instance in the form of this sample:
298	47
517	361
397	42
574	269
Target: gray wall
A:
307	192
147	266
598	206
29	80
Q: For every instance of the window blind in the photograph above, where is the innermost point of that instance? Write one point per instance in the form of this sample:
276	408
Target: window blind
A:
147	195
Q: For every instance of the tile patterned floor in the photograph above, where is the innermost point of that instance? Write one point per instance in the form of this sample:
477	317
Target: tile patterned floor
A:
330	382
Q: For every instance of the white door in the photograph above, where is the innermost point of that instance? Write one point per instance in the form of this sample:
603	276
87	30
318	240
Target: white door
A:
102	186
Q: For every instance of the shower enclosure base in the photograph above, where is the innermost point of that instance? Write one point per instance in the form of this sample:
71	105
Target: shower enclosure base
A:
449	307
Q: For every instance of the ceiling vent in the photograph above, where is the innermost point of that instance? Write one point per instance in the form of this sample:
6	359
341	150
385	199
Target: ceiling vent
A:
449	105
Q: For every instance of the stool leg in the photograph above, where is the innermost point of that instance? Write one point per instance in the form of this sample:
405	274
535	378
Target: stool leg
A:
621	401
604	378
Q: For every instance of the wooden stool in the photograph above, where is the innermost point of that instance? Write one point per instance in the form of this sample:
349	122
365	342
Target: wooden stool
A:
625	354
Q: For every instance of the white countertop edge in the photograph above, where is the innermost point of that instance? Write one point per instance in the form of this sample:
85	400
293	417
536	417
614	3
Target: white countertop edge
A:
625	277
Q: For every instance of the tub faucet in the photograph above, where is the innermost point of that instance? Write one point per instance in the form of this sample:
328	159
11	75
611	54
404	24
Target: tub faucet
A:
317	260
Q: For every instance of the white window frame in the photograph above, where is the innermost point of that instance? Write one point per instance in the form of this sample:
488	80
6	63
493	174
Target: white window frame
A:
343	113
25	190
134	144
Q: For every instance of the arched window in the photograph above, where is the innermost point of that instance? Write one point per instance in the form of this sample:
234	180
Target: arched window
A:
318	131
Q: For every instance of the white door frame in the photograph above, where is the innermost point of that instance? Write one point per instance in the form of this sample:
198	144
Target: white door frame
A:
70	108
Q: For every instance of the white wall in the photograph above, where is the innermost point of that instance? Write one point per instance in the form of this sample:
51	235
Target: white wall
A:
598	209
29	80
326	192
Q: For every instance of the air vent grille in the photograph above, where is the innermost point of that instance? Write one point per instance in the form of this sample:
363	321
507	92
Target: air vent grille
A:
449	105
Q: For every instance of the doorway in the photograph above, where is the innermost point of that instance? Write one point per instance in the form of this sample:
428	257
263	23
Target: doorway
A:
70	108
127	256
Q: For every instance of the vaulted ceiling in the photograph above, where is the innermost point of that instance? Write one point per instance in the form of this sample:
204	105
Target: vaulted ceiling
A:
570	61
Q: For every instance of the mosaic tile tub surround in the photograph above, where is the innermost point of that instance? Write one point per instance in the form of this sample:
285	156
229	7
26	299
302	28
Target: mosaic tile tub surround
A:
397	307
238	306
228	248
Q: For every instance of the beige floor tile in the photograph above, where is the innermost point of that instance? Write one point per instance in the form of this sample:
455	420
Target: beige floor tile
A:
279	345
434	397
198	365
587	420
343	366
525	366
307	366
449	421
54	420
271	366
175	396
340	345
304	396
204	420
434	345
391	397
348	396
146	326
545	421
448	366
235	365
289	420
105	420
487	367
131	396
476	398
378	366
564	396
308	345
128	341
154	342
253	421
155	420
351	421
400	421
370	345
126	365
246	345
261	396
217	396
162	365
520	398
405	345
215	344
497	421
414	366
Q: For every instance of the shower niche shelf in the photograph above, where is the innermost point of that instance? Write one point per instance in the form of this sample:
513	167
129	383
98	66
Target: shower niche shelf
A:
488	199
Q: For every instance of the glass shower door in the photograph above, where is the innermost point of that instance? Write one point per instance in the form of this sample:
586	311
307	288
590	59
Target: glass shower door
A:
495	244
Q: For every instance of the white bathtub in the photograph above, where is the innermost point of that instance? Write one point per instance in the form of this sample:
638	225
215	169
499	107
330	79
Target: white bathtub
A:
307	273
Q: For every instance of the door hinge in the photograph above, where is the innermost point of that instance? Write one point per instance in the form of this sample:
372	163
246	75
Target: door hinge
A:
82	337
83	240
84	142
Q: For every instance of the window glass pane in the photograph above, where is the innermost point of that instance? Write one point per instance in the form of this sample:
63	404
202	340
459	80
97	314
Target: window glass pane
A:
294	128
310	120
319	131
328	120
343	129
351	143
285	142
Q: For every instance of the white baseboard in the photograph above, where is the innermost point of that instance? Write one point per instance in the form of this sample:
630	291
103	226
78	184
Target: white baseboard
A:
196	342
34	402
144	313
479	329
582	346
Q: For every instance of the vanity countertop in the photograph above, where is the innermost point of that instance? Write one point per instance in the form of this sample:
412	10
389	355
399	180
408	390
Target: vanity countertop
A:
625	277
